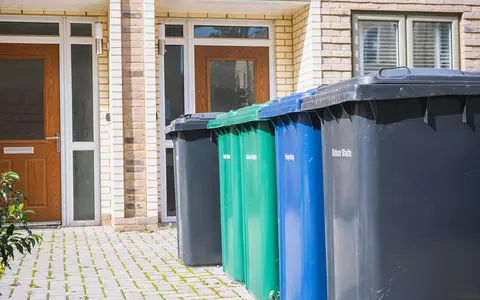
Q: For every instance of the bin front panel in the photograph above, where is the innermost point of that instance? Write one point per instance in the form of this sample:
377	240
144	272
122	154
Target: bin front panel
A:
402	191
301	207
234	207
199	242
260	202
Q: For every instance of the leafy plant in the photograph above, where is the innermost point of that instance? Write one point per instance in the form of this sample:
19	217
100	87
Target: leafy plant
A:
14	232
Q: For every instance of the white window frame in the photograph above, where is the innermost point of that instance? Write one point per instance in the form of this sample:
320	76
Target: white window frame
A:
162	141
189	42
65	41
405	36
437	19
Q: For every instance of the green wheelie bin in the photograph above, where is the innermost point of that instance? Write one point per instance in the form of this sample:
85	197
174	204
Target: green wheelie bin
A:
258	180
231	205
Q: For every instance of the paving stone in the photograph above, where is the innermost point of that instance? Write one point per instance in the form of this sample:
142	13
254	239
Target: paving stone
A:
97	263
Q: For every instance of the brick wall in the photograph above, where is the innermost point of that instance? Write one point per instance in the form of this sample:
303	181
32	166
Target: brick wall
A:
306	47
133	65
137	51
336	52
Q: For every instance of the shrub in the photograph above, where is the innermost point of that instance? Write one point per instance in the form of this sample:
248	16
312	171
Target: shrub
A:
14	232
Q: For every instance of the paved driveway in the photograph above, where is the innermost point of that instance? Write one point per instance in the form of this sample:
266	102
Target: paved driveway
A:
96	263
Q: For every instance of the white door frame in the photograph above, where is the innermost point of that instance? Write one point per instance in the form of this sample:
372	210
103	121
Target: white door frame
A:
189	42
65	41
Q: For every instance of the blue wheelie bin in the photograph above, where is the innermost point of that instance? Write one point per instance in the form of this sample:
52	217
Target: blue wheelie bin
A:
300	199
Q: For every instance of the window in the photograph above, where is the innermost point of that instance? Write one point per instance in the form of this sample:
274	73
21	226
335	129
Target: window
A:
174	30
382	41
81	29
235	32
172	106
29	28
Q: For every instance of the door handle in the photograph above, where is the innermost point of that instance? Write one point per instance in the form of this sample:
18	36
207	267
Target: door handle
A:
57	139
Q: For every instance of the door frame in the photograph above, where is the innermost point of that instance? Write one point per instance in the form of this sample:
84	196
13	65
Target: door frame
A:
64	41
189	42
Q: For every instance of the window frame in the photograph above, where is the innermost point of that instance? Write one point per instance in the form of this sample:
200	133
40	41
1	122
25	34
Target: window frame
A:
401	50
405	36
161	139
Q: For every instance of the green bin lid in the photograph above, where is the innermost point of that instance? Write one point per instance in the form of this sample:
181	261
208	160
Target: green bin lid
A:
240	116
221	119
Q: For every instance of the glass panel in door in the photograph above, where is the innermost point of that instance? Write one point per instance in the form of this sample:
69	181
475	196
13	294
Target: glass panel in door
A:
232	84
21	100
174	107
229	78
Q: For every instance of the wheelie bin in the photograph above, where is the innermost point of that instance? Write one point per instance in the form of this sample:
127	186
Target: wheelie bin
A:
257	177
402	168
301	222
197	192
231	201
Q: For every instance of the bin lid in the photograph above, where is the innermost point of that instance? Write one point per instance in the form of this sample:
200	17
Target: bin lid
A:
221	119
288	104
191	122
396	83
247	114
239	116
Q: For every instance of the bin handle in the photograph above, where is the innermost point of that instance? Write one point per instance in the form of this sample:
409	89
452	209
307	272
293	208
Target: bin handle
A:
382	70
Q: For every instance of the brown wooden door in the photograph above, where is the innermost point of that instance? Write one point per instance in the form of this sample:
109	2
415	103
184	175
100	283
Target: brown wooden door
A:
29	123
230	77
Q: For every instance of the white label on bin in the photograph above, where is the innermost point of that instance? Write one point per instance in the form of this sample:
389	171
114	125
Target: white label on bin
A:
226	156
289	157
341	152
251	157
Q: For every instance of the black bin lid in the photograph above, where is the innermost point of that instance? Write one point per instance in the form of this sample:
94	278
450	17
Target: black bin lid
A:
396	83
191	122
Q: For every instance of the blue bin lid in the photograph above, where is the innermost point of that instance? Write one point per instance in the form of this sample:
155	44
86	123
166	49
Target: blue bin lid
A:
285	105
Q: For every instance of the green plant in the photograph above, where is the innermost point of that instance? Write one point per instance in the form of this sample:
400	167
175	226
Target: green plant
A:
14	232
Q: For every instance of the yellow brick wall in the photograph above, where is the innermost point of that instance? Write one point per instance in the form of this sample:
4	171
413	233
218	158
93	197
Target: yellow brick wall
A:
336	54
306	47
105	183
284	56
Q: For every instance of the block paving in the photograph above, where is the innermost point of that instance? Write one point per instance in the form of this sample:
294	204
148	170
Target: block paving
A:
98	263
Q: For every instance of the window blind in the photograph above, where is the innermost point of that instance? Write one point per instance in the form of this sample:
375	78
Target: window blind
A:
378	41
432	45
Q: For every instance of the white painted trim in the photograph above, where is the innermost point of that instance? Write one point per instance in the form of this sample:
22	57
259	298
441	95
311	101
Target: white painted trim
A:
189	42
29	39
64	42
164	143
29	18
82	146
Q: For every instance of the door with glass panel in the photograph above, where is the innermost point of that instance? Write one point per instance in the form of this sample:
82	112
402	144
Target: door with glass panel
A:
30	124
230	77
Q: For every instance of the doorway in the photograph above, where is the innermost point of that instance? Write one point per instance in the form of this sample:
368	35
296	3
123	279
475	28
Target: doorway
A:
210	65
50	116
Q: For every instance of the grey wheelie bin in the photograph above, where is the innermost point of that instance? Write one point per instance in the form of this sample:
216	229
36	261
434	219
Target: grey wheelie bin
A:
401	165
197	192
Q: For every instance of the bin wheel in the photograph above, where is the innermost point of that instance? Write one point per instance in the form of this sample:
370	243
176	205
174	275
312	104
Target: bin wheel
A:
273	297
